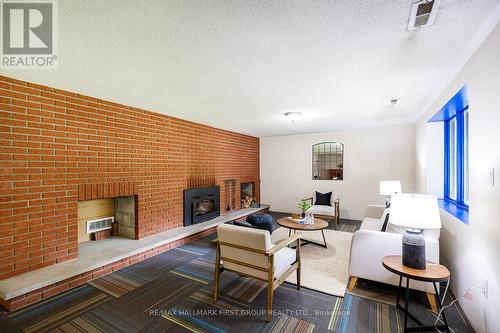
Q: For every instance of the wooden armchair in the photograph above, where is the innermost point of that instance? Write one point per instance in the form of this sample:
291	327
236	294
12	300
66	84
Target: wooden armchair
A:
326	212
249	252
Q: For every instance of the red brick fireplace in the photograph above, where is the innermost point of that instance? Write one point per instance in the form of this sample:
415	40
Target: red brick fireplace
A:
60	147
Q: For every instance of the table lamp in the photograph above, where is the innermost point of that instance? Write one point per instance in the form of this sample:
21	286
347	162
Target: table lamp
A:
388	188
414	212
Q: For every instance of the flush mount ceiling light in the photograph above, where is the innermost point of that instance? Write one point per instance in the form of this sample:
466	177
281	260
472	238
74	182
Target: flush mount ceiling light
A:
292	115
422	14
394	101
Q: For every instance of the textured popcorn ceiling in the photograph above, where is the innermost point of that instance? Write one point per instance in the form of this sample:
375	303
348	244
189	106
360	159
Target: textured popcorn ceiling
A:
239	65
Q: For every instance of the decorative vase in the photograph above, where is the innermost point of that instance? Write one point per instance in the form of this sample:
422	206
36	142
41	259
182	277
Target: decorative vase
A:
414	249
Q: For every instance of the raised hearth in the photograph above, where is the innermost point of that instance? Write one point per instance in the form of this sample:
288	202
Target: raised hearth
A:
109	251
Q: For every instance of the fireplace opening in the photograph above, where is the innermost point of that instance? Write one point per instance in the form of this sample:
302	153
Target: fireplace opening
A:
201	204
247	196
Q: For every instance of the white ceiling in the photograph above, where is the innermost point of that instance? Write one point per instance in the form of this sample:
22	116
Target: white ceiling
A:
239	65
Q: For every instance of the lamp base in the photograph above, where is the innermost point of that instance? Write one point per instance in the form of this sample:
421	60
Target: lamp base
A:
414	249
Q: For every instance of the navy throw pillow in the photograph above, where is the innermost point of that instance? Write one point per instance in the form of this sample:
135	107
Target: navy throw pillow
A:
323	199
384	226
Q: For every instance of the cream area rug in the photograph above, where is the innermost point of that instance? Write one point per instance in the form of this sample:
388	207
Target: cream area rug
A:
324	270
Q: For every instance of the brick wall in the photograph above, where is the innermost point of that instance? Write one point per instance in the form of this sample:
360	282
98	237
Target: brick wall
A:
53	143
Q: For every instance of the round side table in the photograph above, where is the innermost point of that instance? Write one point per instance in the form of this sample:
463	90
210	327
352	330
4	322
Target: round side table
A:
433	273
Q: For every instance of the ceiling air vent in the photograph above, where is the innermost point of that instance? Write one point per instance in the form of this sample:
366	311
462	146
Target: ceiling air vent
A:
422	14
99	224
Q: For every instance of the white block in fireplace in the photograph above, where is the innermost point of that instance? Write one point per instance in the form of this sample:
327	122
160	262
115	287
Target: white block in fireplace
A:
125	216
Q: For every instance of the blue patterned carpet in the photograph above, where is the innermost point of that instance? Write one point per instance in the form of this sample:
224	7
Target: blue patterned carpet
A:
172	292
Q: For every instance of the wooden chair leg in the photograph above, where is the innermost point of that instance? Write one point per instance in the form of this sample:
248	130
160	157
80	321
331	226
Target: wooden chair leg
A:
217	273
337	212
270	289
298	268
432	301
269	301
352	283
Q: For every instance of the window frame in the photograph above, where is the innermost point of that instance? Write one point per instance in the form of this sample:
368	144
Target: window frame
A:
460	176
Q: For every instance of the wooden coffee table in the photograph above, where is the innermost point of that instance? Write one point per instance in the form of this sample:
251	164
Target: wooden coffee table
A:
319	225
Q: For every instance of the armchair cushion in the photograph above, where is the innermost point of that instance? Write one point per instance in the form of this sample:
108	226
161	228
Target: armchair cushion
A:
283	259
322	210
323	199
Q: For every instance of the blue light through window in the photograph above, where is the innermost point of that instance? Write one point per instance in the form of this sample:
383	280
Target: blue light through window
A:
455	115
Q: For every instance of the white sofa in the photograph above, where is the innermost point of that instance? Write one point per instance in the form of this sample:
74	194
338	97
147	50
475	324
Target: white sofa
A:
370	245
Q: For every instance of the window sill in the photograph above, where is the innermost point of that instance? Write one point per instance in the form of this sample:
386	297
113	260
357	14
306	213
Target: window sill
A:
452	208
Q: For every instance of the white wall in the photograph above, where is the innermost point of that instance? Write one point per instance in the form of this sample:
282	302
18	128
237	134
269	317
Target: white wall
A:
370	156
435	159
472	252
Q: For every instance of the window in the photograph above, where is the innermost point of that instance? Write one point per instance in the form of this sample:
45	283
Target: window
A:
457	158
455	117
451	153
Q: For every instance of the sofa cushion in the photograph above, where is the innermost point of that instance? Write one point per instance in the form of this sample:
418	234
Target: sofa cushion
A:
324	199
431	233
322	210
371	223
395	229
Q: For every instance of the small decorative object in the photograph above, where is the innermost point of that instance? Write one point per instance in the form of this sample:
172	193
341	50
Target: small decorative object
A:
414	212
309	218
295	216
304	205
296	220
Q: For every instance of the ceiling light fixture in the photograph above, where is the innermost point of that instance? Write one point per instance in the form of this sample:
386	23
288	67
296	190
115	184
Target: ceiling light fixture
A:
394	101
422	14
292	115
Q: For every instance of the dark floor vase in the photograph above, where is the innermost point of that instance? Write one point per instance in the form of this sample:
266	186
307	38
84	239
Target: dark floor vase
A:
414	249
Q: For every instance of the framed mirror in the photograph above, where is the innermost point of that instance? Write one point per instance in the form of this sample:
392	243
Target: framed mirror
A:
328	161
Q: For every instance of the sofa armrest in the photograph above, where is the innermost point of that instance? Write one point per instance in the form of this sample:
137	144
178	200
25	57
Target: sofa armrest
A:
375	211
369	247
